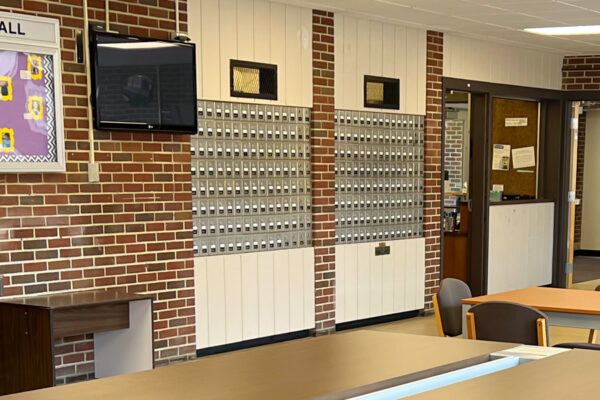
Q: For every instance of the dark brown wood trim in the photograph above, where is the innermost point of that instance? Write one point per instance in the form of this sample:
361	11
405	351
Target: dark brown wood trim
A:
553	181
508	202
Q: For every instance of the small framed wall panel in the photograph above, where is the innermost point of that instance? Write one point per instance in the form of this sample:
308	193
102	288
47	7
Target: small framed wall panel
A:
31	110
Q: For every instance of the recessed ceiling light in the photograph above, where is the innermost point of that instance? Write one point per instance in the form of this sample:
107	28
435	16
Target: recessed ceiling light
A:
566	30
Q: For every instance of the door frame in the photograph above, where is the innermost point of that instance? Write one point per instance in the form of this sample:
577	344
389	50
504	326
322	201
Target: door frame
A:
554	158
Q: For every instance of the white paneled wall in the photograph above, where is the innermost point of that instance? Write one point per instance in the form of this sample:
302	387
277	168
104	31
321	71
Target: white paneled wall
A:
247	296
479	60
520	246
252	30
364	47
370	286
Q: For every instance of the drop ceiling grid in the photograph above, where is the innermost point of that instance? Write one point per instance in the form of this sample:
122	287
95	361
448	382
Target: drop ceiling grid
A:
496	20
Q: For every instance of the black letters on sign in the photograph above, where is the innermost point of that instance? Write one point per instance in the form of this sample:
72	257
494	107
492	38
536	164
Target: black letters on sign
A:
8	28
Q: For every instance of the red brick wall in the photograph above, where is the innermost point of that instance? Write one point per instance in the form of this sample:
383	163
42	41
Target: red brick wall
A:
581	72
433	163
132	230
453	153
323	170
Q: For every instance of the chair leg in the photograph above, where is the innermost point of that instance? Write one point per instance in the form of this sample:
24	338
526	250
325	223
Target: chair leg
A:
471	333
541	332
438	316
592	336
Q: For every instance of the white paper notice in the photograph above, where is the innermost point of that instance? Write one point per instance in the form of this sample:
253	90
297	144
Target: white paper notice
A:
515	122
498	188
501	157
523	157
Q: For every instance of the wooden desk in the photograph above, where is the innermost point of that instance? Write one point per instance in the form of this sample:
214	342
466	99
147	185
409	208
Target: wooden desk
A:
564	307
570	375
335	367
121	323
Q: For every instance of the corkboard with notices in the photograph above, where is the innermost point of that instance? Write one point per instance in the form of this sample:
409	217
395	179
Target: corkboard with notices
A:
515	124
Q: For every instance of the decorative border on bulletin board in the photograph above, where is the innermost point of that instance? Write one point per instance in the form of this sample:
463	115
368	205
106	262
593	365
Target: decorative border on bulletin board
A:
32	129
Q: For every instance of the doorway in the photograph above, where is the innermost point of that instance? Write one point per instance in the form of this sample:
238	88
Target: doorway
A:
457	157
584	234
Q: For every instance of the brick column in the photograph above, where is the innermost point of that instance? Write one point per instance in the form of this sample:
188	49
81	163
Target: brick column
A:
323	173
433	163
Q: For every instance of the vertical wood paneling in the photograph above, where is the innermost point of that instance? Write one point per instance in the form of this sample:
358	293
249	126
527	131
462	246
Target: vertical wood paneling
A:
281	278
387	284
400	66
520	246
309	287
296	292
227	42
278	43
468	58
339	58
250	314
246	296
365	47
363	55
421	66
306	74
341	283
245	30
379	285
376	49
252	30
262	31
348	83
376	270
201	289
412	70
211	66
233	299
399	256
266	295
195	32
293	55
215	278
360	252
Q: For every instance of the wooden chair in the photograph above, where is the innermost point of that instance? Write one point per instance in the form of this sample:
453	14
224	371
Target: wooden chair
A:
502	321
448	307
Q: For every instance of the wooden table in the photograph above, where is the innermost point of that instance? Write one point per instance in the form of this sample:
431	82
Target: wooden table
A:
121	324
564	307
570	375
336	367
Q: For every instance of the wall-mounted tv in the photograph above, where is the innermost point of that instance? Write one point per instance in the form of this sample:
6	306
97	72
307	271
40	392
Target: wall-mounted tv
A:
143	84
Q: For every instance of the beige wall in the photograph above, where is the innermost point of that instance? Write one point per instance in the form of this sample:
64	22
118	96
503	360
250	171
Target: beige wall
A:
252	30
486	61
590	228
367	47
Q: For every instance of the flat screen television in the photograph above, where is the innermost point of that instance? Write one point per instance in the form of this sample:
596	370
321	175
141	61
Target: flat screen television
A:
143	84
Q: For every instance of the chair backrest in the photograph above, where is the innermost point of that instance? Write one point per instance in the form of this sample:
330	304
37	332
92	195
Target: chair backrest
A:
449	297
503	321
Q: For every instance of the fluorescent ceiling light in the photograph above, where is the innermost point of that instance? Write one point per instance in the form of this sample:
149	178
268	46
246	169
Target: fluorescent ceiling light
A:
566	30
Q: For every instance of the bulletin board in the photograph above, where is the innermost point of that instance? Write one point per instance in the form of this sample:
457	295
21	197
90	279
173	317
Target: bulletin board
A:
31	113
515	124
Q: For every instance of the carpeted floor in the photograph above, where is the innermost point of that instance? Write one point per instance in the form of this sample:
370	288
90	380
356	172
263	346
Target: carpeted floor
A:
586	269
